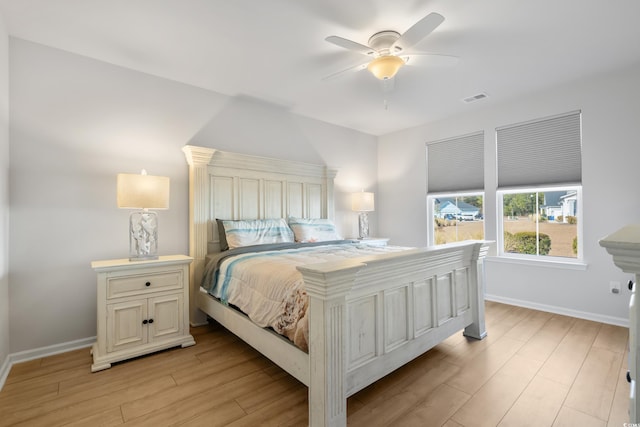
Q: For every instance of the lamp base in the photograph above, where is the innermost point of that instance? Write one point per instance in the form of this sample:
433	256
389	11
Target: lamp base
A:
363	225
143	236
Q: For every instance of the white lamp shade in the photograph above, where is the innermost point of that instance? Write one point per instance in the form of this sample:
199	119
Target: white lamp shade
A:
362	202
143	191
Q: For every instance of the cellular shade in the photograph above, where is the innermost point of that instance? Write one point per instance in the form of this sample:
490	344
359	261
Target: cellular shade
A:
542	152
456	164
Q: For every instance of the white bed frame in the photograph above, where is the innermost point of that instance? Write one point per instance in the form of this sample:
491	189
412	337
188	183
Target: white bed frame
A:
365	319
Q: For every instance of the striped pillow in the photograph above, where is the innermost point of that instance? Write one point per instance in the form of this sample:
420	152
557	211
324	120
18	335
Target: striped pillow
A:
256	232
313	229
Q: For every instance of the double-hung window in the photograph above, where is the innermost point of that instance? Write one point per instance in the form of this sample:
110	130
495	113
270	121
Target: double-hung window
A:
540	188
455	184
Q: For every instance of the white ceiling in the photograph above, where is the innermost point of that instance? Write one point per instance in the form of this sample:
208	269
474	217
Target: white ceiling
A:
275	50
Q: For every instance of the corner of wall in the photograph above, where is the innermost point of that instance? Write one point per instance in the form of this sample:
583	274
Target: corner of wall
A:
5	364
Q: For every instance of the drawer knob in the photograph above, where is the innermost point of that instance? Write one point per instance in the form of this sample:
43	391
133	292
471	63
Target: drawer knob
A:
145	321
628	377
148	284
150	321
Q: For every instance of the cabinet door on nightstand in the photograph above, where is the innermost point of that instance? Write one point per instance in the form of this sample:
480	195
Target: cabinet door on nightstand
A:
124	324
167	315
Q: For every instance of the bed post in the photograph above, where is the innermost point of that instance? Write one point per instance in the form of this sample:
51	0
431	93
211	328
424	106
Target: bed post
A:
198	159
477	329
327	285
328	208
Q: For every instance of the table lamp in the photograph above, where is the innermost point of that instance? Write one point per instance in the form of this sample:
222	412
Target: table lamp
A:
362	203
143	192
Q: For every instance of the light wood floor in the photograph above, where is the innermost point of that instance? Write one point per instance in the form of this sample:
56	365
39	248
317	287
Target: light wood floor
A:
533	369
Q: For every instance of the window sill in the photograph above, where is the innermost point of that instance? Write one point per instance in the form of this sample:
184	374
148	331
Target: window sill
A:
566	265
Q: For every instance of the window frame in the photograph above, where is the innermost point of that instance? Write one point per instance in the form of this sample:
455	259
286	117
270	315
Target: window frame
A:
579	259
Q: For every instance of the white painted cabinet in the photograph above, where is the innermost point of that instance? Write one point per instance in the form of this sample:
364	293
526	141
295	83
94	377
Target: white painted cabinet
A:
624	246
634	355
142	307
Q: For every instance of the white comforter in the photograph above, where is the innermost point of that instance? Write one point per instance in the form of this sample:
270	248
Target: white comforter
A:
270	290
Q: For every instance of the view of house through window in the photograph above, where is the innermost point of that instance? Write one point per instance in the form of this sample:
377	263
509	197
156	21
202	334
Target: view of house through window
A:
541	223
457	217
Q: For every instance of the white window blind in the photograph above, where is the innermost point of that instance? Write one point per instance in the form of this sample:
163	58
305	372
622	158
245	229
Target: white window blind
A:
456	164
541	152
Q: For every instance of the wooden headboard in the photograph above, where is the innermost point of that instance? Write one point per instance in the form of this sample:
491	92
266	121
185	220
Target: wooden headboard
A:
237	186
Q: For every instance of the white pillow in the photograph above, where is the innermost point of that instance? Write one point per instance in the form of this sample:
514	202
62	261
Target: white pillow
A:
313	230
256	232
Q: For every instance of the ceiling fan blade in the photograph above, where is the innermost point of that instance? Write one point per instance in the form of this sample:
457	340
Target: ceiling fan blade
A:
340	73
350	45
419	30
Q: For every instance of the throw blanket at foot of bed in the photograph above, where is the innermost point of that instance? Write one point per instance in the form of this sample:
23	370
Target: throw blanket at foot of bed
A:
264	283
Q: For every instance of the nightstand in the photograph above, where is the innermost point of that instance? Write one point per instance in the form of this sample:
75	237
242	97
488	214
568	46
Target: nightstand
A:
373	241
143	306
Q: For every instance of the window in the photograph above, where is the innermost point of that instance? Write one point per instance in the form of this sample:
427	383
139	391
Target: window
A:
456	217
540	222
539	188
455	180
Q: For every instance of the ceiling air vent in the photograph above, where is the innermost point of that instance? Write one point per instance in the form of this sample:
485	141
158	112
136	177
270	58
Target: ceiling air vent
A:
476	97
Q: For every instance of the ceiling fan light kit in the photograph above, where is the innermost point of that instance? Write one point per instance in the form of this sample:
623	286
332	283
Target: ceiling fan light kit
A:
385	67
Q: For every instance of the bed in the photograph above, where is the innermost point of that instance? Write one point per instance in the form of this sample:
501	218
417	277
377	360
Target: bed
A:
367	316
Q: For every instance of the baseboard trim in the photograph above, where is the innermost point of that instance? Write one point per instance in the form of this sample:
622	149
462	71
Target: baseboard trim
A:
24	356
611	320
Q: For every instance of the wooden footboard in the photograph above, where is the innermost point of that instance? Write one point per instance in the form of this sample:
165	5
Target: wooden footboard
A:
368	318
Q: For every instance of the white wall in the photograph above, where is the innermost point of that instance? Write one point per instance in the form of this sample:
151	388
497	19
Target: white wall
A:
76	123
610	107
4	197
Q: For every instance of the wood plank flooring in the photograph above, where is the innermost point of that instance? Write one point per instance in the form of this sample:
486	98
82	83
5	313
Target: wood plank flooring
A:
533	369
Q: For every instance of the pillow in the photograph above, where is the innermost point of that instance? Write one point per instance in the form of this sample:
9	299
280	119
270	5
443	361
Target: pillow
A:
313	229
256	232
222	235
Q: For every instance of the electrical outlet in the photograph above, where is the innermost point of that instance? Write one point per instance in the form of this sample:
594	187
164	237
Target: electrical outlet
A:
614	287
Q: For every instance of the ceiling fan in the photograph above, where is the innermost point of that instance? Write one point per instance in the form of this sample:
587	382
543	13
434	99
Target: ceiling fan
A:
388	48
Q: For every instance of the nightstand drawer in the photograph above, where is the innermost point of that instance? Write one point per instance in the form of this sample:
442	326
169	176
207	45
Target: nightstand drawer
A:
143	283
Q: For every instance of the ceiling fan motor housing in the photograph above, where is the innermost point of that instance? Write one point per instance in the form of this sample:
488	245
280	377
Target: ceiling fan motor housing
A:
382	41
